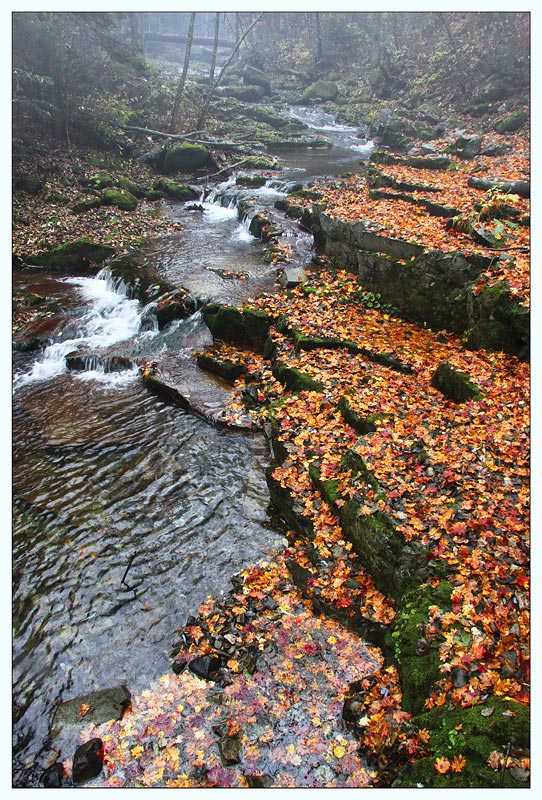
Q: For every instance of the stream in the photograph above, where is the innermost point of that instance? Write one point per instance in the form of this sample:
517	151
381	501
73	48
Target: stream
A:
128	511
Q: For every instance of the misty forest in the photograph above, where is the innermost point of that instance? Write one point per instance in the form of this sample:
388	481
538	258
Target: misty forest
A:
270	412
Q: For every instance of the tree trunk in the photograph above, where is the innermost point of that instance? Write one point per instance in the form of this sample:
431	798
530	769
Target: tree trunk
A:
215	48
182	80
203	116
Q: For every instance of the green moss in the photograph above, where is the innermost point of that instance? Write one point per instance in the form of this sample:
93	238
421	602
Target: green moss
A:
295	380
185	157
363	425
454	384
250	326
74	255
103	180
174	190
498	322
250	180
128	185
418	673
321	90
118	197
512	122
30	184
229	370
474	733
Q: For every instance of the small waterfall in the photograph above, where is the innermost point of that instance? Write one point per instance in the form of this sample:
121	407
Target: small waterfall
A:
109	317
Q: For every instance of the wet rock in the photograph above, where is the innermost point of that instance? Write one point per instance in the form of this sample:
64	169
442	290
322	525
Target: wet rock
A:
88	761
96	707
292	276
206	667
53	776
229	370
229	748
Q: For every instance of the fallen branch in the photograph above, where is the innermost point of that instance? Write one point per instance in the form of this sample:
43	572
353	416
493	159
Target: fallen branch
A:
151	132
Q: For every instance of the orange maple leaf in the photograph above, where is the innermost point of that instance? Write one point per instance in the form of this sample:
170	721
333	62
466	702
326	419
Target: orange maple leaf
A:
84	708
442	766
458	763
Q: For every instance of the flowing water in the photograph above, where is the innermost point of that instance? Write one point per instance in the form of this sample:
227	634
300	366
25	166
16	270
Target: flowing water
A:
128	512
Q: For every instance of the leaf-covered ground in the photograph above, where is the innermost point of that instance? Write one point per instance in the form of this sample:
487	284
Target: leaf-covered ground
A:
456	478
396	217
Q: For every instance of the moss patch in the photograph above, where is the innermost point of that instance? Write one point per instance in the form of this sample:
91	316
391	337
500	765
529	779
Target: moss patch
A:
418	664
454	384
474	733
74	255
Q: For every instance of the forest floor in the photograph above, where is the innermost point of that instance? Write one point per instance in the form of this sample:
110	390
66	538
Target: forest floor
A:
272	709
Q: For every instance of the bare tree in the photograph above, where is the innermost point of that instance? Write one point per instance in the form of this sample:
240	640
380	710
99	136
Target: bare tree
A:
203	116
182	80
215	48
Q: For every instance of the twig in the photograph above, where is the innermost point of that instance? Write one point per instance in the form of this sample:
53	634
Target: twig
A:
505	762
127	569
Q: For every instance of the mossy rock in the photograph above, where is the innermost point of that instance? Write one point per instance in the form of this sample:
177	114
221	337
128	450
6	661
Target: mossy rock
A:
366	424
185	157
86	204
498	322
254	181
127	185
257	224
454	384
224	368
321	90
419	667
242	326
103	180
74	255
512	122
118	197
256	77
474	733
174	190
295	380
260	162
30	184
395	565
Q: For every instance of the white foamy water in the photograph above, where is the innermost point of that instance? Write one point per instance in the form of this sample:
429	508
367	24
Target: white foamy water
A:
109	318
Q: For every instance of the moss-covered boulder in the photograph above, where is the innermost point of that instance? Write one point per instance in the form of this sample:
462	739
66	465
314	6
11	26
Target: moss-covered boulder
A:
321	90
417	657
454	384
498	726
102	180
86	204
253	76
251	181
81	254
119	198
242	326
185	157
512	122
497	321
175	190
